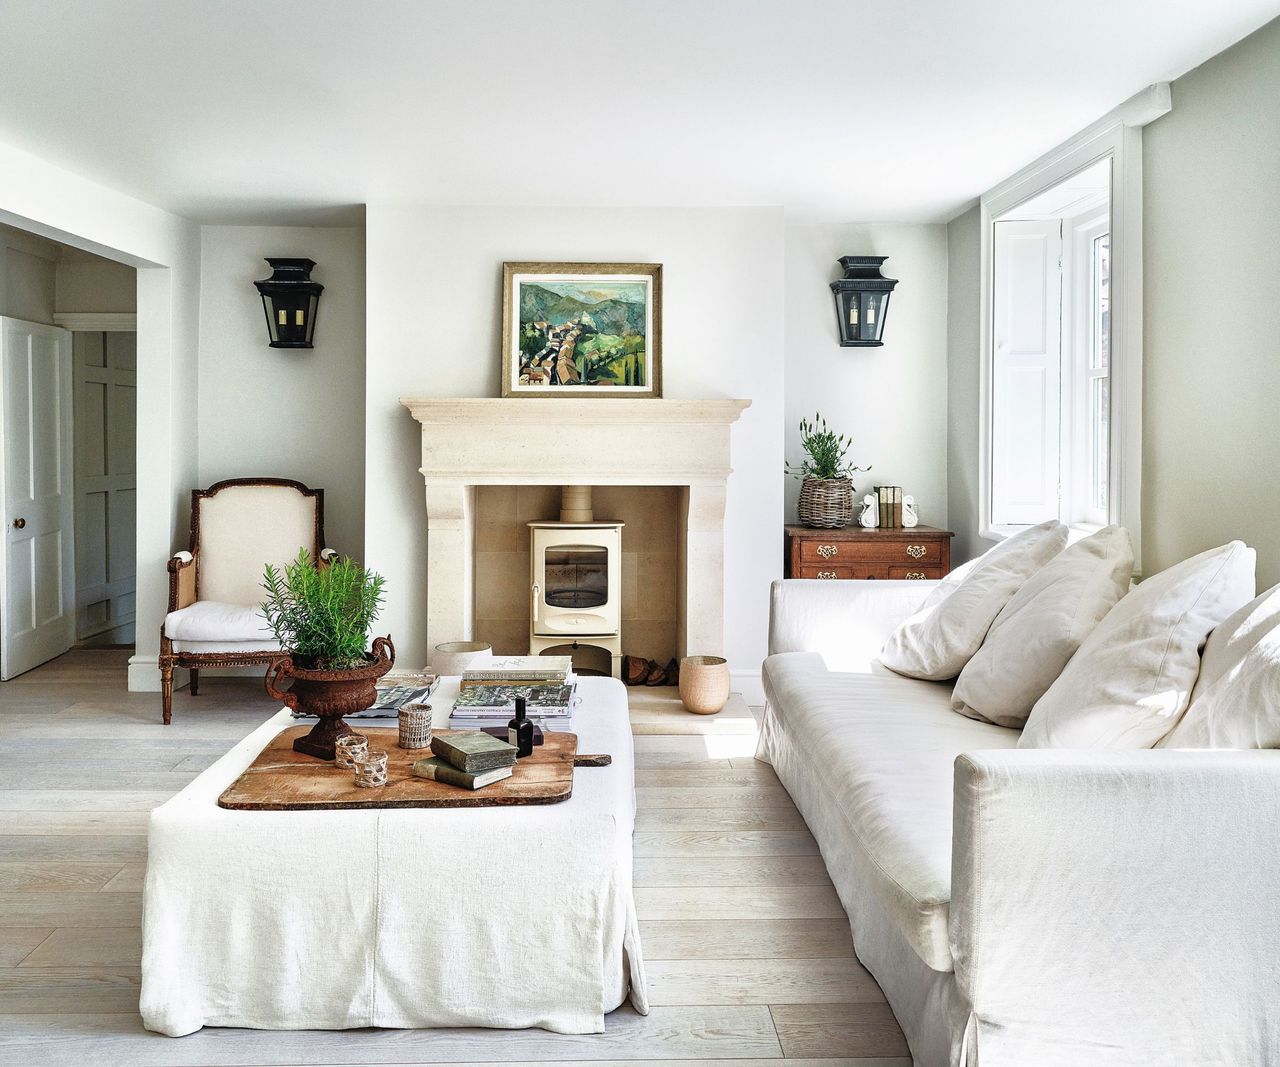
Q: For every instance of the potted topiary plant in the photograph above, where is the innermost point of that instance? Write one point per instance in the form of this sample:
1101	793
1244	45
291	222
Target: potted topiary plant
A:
826	489
321	616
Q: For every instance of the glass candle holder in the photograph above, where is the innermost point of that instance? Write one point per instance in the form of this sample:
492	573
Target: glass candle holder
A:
415	726
348	748
371	771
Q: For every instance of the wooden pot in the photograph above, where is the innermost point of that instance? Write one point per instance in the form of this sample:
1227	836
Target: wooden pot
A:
330	695
704	684
826	503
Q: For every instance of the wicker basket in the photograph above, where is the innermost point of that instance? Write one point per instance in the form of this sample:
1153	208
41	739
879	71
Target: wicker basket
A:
826	502
704	684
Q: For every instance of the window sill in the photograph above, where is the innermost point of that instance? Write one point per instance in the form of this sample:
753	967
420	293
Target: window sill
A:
1076	531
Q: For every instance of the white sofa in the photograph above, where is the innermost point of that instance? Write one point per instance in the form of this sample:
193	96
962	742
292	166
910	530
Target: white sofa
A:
1034	907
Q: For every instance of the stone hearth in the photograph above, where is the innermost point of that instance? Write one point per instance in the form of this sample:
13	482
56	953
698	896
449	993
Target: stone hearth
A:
548	441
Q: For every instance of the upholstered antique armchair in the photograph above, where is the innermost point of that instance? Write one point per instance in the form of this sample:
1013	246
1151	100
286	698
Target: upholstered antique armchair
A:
238	526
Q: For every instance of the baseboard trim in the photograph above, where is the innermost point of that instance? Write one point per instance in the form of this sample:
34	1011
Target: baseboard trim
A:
144	675
748	683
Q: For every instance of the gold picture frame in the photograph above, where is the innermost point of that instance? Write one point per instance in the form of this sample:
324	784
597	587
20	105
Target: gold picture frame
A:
582	329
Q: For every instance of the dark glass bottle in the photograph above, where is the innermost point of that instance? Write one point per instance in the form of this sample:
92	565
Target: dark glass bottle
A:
520	731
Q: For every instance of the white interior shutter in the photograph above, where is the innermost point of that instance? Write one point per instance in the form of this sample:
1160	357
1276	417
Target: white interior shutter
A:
1026	372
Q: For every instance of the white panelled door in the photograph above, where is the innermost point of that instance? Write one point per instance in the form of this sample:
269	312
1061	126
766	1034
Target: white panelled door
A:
1026	371
38	611
106	372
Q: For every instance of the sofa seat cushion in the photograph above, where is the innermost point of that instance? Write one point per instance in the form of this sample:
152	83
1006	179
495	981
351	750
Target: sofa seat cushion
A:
211	620
882	749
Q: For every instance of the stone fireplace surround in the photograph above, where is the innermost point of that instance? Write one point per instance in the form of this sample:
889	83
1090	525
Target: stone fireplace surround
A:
472	442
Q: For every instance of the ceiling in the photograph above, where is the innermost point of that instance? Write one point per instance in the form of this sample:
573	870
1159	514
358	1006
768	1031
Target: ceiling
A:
296	111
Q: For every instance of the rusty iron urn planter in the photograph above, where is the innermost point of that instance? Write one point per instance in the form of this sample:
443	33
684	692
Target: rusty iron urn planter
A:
329	695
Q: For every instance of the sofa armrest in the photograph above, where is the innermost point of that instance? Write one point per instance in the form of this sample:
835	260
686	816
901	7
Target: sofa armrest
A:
182	580
847	622
1117	900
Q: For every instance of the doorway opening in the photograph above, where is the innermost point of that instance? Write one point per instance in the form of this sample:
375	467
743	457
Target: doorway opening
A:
68	450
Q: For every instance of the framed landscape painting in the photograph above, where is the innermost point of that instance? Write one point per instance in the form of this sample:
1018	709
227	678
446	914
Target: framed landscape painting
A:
582	329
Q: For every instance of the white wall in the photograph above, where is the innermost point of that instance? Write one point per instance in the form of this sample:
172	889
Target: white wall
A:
89	284
266	412
963	383
891	400
60	205
434	317
1211	351
1211	213
40	277
28	266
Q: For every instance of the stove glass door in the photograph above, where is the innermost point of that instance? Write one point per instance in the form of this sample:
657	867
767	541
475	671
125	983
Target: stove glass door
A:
577	576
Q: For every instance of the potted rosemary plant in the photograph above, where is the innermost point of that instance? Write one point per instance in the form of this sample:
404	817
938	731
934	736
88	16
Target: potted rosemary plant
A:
322	616
826	488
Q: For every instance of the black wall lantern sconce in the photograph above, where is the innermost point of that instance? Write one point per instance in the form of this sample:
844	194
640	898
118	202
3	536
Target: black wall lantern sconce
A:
290	299
862	300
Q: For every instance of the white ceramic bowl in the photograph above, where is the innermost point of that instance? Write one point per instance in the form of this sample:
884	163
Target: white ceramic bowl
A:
454	657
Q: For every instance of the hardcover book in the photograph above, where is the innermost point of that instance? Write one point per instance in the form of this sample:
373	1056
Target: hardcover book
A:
439	771
499	697
475	752
540	668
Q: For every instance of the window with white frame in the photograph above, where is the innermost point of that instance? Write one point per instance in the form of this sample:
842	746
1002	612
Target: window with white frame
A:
1060	329
1050	397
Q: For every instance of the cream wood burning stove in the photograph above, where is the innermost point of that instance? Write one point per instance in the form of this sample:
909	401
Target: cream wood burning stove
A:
576	585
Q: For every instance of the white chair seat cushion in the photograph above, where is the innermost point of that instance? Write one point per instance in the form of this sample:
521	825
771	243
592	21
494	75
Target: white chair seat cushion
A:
212	620
224	647
1041	627
1236	701
1132	677
882	750
939	639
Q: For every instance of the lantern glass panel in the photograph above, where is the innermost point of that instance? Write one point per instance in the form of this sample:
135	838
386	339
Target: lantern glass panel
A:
875	305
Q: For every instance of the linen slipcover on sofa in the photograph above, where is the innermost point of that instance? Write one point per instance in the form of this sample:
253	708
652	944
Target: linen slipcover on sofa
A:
1033	907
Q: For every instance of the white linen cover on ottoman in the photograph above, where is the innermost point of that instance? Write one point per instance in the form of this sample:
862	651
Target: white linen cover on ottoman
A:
503	917
881	749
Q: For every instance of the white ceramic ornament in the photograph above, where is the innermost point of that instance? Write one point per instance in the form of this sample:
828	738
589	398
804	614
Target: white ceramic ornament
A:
909	516
870	517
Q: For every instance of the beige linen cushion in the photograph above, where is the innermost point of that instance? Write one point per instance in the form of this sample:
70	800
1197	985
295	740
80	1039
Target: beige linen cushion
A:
1041	627
1132	677
1236	701
939	639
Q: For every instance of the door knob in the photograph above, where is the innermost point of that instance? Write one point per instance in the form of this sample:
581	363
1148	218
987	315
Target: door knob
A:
19	524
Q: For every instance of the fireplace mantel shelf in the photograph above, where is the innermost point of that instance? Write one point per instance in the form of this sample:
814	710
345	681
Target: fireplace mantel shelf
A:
550	441
556	410
470	441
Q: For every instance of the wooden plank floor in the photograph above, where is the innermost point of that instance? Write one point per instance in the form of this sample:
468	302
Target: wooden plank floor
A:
747	949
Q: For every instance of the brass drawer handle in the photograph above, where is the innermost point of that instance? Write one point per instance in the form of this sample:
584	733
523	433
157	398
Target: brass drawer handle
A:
832	574
827	551
915	574
916	551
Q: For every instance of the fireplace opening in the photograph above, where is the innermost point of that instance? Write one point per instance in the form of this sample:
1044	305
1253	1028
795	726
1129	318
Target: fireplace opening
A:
644	561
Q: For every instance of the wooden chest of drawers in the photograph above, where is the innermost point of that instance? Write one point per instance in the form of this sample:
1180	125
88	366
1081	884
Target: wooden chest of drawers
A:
855	553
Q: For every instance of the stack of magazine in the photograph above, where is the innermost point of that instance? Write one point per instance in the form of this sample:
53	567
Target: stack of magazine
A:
487	696
392	696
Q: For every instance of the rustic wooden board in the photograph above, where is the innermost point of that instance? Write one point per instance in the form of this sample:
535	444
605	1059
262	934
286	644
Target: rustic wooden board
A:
281	779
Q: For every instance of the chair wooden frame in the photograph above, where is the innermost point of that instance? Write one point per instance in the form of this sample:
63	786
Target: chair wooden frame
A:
184	590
